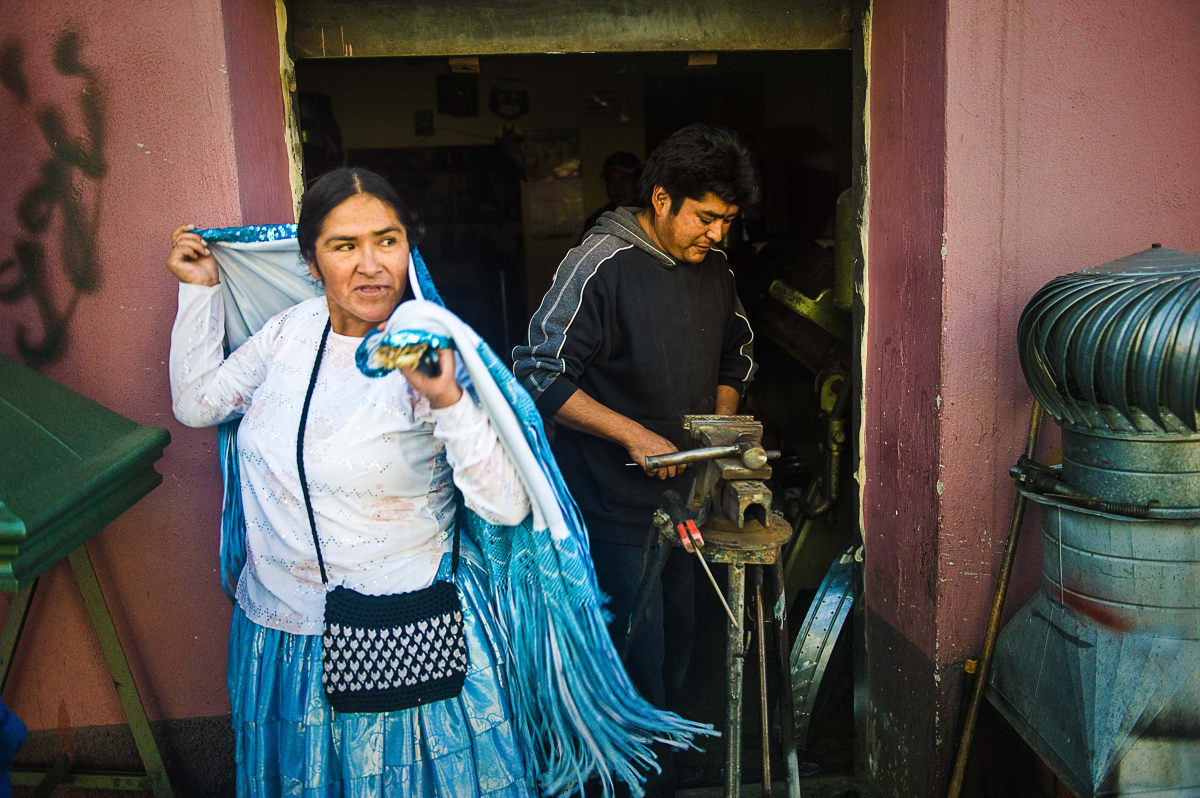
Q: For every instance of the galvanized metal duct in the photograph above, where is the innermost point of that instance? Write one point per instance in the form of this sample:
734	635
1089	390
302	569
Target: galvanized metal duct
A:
1100	671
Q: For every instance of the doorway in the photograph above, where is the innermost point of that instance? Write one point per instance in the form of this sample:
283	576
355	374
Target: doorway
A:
507	162
504	156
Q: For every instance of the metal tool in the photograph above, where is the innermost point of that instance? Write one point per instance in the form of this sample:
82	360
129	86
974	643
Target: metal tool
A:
731	504
656	461
760	626
1036	478
732	467
689	533
752	455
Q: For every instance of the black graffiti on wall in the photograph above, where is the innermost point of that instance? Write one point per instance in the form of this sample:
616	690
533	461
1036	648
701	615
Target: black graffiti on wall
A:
66	189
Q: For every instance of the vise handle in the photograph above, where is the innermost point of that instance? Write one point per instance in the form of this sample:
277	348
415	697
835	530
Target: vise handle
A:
753	456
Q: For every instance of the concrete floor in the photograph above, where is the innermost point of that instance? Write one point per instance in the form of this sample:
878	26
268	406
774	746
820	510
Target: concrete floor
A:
815	787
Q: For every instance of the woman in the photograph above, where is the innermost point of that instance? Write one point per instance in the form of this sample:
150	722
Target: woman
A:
382	460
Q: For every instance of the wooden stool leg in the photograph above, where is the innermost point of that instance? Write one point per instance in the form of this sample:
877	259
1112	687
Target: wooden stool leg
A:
14	621
118	668
59	772
787	707
761	633
734	660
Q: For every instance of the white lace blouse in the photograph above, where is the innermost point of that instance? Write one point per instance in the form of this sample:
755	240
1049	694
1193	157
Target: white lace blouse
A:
381	465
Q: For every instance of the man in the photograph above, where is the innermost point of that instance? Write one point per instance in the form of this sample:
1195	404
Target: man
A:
621	172
642	326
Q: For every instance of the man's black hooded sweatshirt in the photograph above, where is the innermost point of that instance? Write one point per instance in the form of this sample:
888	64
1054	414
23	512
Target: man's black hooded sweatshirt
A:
645	335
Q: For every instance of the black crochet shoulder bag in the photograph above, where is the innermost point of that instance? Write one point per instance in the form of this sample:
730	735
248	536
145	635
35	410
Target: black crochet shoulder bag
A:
384	653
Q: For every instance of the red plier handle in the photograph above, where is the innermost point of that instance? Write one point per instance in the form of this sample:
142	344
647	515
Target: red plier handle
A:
688	532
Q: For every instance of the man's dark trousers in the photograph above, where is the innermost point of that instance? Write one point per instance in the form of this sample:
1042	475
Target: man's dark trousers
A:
659	655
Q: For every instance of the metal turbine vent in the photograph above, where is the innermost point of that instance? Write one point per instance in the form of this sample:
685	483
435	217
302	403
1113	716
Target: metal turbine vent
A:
1100	671
1117	347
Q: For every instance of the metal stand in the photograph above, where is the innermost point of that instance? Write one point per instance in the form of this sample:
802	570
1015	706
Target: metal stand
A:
754	545
154	779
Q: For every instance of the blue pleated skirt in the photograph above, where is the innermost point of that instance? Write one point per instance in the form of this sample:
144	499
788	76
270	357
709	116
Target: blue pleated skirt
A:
290	742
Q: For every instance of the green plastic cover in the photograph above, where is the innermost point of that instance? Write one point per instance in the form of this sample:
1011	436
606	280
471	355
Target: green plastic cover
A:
68	466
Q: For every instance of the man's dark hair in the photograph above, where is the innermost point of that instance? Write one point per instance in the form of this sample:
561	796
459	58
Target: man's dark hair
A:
699	159
335	187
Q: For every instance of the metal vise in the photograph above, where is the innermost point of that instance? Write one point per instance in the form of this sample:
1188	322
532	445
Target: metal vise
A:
733	465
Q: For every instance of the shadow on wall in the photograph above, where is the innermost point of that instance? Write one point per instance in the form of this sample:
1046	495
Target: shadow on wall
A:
73	165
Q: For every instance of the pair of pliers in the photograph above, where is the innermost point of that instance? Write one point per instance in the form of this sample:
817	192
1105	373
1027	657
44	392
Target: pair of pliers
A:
683	522
687	527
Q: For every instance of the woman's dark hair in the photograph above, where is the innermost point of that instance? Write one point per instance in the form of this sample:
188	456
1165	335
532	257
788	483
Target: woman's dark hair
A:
332	189
699	159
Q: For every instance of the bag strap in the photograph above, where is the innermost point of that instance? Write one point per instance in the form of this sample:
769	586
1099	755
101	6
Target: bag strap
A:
312	521
312	383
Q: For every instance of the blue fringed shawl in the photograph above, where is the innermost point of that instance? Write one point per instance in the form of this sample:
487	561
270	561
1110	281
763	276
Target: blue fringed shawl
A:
571	697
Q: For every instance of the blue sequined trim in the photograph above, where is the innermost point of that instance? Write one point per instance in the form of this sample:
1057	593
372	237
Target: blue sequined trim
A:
247	235
364	357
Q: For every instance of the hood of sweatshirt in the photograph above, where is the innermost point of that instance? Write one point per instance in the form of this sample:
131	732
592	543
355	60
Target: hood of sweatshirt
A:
625	226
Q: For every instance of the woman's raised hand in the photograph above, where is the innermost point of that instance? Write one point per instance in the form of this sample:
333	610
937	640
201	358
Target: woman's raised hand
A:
190	260
442	390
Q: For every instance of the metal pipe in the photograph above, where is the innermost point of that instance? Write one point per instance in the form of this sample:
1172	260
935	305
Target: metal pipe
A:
713	579
787	711
735	655
760	623
657	461
993	628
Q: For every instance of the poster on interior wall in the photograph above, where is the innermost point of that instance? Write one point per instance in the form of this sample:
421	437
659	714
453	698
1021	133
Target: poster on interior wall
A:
552	192
551	153
508	99
458	94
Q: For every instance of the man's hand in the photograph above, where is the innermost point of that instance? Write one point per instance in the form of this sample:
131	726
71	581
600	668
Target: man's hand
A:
643	443
584	414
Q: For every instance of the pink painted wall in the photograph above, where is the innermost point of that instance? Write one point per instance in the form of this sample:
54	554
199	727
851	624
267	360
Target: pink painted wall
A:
256	102
902	361
176	152
1010	143
904	314
1073	139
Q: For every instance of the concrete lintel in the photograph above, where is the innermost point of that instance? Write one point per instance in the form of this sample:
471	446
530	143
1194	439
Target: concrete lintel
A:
337	29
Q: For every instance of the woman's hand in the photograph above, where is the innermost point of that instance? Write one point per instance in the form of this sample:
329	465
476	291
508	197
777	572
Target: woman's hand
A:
190	260
442	390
